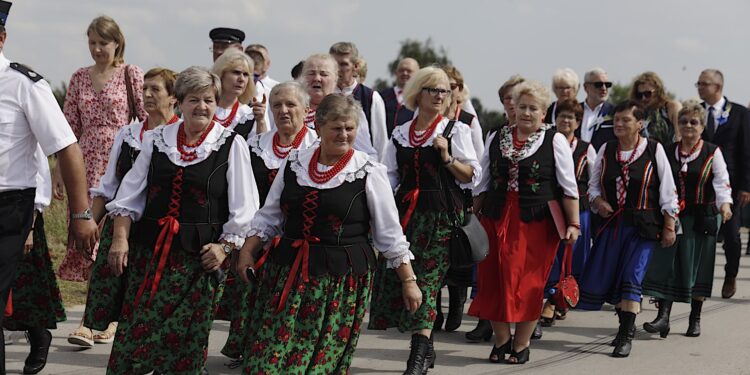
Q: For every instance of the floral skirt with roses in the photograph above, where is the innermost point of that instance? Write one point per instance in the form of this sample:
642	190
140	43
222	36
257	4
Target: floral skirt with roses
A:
169	335
36	297
106	291
429	235
317	330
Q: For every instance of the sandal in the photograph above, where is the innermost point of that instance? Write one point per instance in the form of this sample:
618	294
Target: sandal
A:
82	336
518	358
497	355
107	336
549	309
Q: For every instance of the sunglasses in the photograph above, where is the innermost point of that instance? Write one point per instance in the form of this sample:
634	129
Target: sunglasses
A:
599	85
703	84
644	94
436	92
691	122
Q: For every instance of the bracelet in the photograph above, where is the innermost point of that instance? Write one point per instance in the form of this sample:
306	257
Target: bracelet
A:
669	229
575	225
449	162
412	278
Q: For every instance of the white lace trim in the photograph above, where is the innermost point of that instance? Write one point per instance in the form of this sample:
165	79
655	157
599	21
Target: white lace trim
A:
122	212
234	239
398	260
131	139
263	235
357	168
213	142
262	146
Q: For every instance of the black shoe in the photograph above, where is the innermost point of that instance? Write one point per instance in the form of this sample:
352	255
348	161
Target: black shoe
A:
429	361
482	332
420	345
500	351
457	299
518	358
619	321
661	323
39	340
626	333
2	360
694	323
537	334
438	325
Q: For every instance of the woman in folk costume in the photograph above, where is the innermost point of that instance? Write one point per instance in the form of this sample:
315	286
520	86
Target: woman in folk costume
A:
528	186
237	108
684	272
632	189
313	285
190	194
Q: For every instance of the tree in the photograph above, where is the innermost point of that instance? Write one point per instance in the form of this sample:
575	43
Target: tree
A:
425	53
489	119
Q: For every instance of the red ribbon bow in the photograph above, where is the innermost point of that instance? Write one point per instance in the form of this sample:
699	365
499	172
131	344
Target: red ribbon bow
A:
412	198
302	258
169	228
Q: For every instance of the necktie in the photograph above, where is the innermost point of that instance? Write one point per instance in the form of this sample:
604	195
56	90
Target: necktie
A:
710	124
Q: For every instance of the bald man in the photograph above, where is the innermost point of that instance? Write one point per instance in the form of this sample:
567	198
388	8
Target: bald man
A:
395	112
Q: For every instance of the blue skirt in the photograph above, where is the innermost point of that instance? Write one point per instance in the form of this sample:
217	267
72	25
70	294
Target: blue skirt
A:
581	250
616	267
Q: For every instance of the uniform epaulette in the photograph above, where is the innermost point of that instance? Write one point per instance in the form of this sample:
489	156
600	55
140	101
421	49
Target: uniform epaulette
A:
25	70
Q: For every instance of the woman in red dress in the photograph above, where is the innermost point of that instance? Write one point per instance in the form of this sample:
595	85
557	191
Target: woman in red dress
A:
529	170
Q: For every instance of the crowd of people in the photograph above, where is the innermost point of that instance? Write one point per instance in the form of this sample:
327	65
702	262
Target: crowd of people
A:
219	193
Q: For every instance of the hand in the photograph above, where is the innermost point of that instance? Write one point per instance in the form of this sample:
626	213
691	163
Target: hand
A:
726	212
441	144
118	255
604	209
571	234
84	234
668	237
244	261
412	296
259	107
58	187
29	244
743	198
212	256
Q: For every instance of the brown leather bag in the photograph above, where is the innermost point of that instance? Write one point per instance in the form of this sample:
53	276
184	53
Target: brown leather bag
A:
132	112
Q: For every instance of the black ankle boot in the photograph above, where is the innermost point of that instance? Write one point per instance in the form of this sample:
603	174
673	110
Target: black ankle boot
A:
661	323
39	340
420	345
429	361
482	332
619	321
438	325
694	323
626	333
457	299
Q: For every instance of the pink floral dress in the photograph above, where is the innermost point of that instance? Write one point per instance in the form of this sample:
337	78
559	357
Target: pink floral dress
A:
95	118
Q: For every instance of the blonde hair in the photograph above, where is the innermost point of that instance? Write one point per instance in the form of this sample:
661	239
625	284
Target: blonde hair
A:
109	30
425	77
566	75
233	58
322	57
693	107
535	90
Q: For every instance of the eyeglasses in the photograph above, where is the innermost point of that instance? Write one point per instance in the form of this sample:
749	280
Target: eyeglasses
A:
700	84
436	92
459	86
599	85
566	117
691	122
644	94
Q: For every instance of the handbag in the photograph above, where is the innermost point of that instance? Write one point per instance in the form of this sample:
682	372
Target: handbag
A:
566	290
132	113
468	243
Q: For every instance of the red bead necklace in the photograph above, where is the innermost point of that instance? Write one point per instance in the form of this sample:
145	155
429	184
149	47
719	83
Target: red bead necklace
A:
517	144
692	150
228	120
323	177
277	146
182	142
145	124
632	155
417	140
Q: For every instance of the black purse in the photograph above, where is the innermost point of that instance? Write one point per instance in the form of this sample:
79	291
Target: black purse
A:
469	243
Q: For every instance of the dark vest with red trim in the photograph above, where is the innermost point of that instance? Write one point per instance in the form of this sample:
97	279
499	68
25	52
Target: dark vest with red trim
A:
537	181
699	194
339	217
395	113
641	207
363	95
580	160
204	203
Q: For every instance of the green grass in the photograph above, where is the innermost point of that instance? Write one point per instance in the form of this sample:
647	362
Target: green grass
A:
56	229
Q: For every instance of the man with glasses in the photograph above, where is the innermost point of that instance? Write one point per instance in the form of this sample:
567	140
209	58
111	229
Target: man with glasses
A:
596	126
728	126
224	38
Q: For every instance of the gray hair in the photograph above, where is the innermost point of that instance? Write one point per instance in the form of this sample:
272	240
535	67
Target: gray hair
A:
718	76
231	58
593	72
535	90
299	92
345	48
334	107
566	75
196	79
327	58
693	107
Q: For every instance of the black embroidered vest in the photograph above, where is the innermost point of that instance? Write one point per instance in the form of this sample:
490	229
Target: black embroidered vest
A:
580	162
204	204
641	208
537	181
698	194
245	128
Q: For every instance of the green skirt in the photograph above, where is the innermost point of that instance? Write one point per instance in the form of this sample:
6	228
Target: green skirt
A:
685	269
106	291
171	334
36	296
317	330
429	235
238	313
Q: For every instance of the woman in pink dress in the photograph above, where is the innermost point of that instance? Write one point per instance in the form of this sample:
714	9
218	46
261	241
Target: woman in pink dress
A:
97	106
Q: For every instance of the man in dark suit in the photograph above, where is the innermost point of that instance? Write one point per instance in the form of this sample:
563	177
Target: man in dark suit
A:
596	126
395	112
728	126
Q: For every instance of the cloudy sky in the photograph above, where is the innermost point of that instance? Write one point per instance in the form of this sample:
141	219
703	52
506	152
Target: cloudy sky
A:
487	40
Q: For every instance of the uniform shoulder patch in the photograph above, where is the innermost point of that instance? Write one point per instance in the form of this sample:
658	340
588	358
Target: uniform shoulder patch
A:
25	70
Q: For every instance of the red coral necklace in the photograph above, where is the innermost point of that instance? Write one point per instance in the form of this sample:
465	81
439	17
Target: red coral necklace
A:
323	177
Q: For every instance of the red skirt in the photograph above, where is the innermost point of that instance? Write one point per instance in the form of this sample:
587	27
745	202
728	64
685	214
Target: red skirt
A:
510	281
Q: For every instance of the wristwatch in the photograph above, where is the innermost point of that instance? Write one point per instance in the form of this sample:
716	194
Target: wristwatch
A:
227	248
85	215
